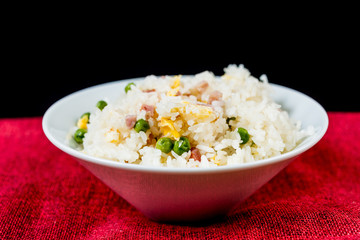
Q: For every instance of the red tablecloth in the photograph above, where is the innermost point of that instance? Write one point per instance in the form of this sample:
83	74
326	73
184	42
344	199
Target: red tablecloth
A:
45	194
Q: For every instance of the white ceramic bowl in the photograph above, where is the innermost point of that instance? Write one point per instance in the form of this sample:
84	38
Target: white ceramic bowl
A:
165	194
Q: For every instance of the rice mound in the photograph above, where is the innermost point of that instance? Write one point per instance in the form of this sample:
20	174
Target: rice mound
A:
206	109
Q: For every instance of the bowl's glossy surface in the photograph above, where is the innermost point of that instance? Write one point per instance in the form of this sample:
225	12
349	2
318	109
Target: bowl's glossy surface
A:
166	194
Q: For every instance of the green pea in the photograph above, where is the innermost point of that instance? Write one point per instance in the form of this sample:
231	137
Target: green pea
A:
79	135
244	135
141	125
86	114
165	144
128	87
181	146
101	104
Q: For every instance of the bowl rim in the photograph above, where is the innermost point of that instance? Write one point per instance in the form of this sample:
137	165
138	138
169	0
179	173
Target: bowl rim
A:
181	170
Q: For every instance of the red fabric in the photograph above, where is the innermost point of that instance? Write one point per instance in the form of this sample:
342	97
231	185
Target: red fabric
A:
44	194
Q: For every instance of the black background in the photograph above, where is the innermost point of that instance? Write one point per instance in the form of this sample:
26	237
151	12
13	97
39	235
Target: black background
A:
45	62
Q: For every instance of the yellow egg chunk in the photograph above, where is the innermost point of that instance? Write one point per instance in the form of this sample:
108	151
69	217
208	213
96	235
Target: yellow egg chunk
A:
197	112
82	122
176	82
175	87
172	92
167	128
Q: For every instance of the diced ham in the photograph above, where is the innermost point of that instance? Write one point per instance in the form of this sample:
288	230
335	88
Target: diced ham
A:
215	96
195	154
149	90
151	139
130	121
201	86
150	110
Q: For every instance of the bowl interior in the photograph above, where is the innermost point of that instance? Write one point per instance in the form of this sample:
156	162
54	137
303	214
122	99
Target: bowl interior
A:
63	114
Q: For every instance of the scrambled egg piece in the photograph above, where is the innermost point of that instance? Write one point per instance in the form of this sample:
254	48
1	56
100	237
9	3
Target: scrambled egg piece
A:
188	111
196	112
168	129
175	86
